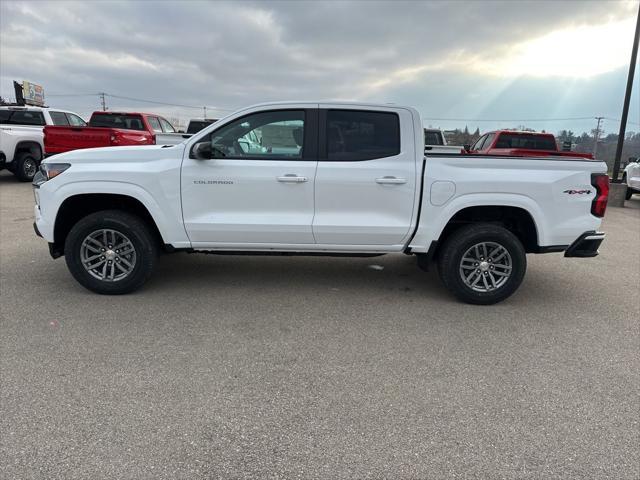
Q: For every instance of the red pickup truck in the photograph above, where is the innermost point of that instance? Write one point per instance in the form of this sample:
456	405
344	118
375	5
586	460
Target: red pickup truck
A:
521	144
106	129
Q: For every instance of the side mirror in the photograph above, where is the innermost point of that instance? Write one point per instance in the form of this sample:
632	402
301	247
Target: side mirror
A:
202	151
466	147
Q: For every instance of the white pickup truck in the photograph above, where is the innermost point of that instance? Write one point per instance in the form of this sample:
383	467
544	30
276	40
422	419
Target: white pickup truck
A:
328	179
21	137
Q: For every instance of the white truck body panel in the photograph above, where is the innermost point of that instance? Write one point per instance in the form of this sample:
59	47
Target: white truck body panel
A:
171	138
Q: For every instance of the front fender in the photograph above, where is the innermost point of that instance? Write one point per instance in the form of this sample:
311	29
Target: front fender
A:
168	220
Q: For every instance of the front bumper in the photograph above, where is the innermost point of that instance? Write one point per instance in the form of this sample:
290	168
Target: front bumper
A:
586	245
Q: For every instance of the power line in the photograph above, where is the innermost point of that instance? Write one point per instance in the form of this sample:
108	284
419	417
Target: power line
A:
507	119
134	99
72	94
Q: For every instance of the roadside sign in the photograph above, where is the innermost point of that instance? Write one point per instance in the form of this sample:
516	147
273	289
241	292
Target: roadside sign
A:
33	94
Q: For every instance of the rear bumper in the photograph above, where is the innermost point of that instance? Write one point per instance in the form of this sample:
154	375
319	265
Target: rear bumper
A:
586	245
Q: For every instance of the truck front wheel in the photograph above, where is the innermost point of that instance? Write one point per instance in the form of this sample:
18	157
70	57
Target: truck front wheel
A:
111	252
482	264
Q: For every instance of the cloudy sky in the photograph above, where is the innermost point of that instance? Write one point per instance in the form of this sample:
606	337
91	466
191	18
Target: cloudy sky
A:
459	62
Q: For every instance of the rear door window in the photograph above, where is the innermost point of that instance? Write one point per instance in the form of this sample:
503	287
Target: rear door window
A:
59	118
356	135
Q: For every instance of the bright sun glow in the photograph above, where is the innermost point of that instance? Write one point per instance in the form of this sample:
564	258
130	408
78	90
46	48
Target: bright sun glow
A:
572	52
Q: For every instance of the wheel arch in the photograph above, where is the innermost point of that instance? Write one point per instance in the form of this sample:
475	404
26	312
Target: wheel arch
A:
30	146
78	206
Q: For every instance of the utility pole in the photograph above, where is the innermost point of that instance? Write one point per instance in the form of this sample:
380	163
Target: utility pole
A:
104	103
627	99
597	135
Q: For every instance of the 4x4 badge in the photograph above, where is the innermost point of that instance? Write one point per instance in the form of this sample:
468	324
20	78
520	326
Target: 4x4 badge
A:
577	192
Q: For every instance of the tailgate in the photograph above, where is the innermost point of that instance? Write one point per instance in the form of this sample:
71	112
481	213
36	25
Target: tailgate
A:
530	152
58	139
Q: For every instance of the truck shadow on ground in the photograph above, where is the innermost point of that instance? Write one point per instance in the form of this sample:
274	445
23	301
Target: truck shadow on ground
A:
306	274
387	277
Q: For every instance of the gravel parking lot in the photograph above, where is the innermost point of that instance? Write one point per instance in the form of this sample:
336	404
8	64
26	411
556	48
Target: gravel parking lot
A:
294	367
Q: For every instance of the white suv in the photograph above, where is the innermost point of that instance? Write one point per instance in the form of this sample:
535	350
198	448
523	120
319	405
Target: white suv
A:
21	137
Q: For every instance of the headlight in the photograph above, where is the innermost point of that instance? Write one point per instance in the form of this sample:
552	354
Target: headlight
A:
52	170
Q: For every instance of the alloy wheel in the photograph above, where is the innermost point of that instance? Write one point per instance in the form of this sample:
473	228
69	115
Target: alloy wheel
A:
108	255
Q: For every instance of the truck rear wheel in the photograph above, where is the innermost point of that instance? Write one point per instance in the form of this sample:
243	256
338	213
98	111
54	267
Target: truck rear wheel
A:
482	264
26	166
111	252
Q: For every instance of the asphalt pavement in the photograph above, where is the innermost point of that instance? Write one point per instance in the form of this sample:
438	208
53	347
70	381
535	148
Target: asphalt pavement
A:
295	367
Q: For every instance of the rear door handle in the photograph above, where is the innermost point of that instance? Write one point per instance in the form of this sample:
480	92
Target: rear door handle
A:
292	178
389	180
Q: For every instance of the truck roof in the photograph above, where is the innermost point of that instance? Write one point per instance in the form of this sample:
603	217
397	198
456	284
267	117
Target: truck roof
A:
521	132
34	108
111	112
331	102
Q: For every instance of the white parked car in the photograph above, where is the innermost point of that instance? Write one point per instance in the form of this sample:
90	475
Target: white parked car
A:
21	138
328	179
631	177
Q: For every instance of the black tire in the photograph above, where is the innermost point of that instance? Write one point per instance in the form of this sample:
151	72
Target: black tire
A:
460	242
135	230
629	192
26	166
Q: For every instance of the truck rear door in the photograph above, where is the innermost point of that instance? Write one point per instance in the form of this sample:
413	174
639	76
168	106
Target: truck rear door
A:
366	179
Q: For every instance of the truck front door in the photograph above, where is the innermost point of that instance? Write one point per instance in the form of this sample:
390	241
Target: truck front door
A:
254	184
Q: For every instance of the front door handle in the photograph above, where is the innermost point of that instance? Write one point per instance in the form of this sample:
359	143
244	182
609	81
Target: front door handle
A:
292	178
389	180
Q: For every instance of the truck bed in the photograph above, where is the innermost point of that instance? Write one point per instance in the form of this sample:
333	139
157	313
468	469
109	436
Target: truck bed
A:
59	139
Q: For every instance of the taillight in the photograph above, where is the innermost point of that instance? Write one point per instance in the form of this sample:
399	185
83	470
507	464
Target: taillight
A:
601	183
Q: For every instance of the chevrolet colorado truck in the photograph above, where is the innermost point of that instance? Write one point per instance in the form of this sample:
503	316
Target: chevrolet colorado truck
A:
521	144
317	179
21	137
111	129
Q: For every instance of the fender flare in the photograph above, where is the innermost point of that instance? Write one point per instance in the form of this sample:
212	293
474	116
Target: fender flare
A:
125	189
441	219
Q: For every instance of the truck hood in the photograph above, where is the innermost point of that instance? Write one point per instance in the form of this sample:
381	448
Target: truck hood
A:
119	154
